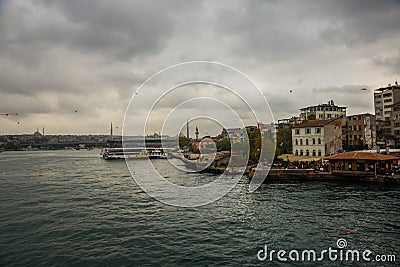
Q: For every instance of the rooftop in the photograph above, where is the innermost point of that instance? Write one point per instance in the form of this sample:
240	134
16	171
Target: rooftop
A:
329	104
362	156
318	123
389	87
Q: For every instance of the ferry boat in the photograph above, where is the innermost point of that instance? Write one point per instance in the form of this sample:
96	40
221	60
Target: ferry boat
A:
133	153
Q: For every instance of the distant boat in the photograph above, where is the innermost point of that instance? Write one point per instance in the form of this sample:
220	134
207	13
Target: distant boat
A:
133	153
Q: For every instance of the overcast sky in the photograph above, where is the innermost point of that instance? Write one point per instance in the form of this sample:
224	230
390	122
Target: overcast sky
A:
57	57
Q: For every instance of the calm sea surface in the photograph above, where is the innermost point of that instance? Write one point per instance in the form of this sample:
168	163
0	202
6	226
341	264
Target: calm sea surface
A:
73	208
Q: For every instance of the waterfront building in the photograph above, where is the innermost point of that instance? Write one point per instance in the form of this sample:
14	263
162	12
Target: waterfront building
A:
323	112
353	163
360	131
384	98
317	137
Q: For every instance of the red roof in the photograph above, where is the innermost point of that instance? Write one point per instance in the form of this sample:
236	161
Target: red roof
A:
317	123
362	156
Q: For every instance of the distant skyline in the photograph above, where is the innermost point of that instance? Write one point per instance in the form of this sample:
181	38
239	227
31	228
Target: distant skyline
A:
72	66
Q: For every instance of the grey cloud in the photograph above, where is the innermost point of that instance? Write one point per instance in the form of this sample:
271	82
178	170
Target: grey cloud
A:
345	89
391	62
58	55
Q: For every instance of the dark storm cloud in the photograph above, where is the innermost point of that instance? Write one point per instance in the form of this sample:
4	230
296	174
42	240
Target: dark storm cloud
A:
58	55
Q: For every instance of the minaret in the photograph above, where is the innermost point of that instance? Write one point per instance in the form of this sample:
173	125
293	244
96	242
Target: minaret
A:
187	132
43	131
197	133
187	129
111	132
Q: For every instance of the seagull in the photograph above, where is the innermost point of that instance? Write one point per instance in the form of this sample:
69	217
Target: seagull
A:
290	91
363	89
76	110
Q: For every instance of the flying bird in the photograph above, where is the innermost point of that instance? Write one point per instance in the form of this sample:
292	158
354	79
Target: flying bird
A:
363	89
290	91
76	110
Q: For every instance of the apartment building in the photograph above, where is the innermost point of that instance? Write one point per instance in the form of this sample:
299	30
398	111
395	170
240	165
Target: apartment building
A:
317	137
322	112
384	98
360	131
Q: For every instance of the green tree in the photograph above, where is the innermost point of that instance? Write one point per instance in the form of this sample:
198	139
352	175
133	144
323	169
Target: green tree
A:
183	141
224	145
283	141
255	144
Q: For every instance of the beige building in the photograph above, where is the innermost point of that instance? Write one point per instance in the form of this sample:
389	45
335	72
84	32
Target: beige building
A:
361	131
317	137
322	112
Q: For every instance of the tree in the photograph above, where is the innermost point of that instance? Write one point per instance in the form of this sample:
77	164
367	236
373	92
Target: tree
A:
283	141
183	141
255	144
224	145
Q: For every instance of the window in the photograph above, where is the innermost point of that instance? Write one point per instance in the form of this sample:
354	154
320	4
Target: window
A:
296	142
319	152
387	95
307	153
306	142
296	131
301	152
301	142
329	116
317	130
350	166
297	152
313	152
319	141
360	166
308	131
313	141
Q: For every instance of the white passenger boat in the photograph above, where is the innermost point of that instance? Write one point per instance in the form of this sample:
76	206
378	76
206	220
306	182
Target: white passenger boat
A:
133	153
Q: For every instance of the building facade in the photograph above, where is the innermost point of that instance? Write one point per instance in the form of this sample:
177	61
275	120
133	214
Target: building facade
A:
384	98
395	123
360	131
317	137
323	112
